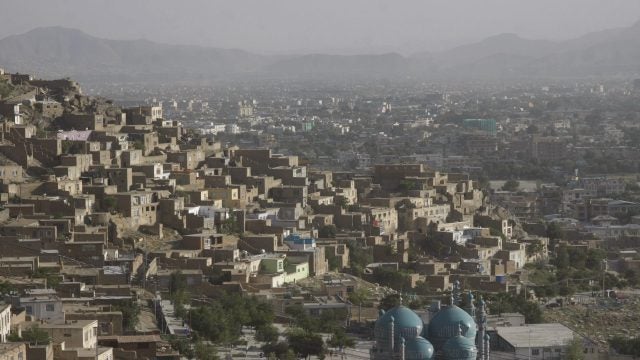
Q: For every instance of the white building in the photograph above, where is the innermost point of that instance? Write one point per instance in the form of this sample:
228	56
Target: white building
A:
539	341
5	322
43	305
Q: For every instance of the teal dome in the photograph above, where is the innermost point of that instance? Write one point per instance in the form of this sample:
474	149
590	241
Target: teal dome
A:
406	324
445	324
418	349
460	348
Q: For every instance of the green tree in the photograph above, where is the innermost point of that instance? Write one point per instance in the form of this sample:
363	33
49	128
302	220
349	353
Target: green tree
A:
279	350
33	335
222	319
342	202
575	349
182	345
328	231
555	232
328	321
511	185
178	292
305	343
507	302
110	204
339	339
230	226
358	297
46	273
389	301
6	287
359	256
267	333
203	351
130	313
394	279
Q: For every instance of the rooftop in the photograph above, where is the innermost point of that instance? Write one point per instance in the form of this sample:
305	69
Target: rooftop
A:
536	335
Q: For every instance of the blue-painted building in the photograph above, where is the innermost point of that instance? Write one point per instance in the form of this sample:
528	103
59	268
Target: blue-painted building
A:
297	242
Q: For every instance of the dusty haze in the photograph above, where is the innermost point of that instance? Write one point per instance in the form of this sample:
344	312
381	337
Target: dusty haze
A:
328	26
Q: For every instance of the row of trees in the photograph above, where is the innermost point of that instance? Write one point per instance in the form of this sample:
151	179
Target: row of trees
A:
221	320
304	340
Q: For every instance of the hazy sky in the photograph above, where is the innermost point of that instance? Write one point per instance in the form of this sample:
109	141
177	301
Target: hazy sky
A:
336	26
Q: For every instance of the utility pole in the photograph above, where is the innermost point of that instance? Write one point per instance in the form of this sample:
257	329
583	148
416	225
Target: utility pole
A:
604	273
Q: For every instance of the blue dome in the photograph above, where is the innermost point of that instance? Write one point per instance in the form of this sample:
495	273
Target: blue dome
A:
445	324
418	349
460	348
406	324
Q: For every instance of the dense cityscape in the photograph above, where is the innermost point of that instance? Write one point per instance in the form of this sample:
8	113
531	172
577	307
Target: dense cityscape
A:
407	217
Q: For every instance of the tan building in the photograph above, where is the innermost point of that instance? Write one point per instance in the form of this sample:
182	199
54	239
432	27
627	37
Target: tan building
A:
140	206
11	174
13	351
74	333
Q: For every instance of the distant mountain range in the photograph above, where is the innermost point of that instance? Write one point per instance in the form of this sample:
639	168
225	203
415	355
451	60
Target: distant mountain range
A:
58	52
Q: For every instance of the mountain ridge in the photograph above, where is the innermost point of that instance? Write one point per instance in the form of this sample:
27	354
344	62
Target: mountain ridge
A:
60	52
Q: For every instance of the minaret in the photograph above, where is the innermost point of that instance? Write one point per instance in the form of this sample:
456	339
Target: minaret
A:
456	293
392	346
481	319
486	346
471	307
402	348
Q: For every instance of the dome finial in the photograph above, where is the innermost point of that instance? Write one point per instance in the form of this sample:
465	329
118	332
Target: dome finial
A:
400	298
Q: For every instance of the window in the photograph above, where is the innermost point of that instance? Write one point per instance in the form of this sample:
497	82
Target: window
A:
29	309
535	352
50	307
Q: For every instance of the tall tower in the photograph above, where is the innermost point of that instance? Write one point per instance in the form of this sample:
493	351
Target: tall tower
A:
482	341
456	293
471	307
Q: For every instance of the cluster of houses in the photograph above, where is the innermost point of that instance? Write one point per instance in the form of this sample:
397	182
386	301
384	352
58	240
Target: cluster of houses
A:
106	203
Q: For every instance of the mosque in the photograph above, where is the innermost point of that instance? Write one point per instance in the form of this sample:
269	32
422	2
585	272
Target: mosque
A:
452	333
